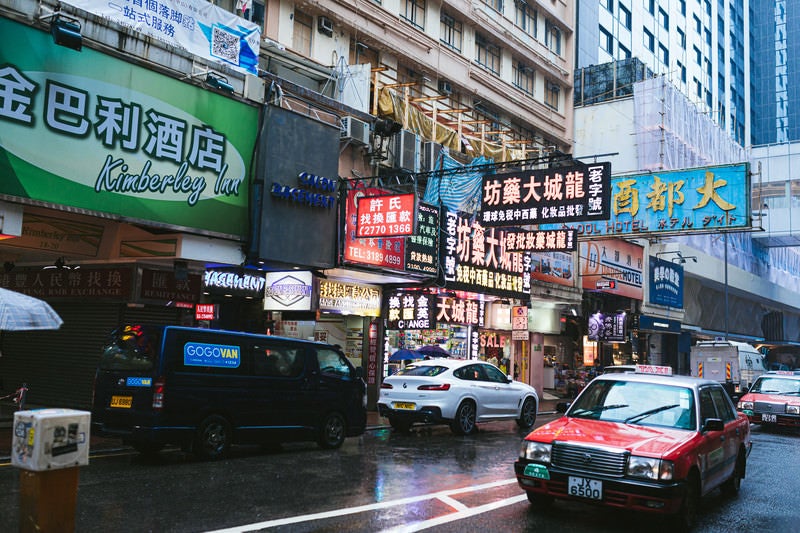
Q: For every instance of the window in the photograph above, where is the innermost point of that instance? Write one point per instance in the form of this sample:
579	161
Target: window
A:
332	363
606	41
649	40
698	56
452	32
708	67
651	6
663	19
698	27
497	5
624	16
708	98
698	88
525	17
623	53
681	38
487	54
551	95
415	13
278	361
663	54
608	4
682	71
552	37
682	4
524	77
301	33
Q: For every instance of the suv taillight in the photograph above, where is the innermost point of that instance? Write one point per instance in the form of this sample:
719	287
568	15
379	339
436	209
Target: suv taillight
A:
158	394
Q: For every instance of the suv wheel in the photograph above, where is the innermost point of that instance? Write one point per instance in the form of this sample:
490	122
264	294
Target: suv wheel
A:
527	416
464	422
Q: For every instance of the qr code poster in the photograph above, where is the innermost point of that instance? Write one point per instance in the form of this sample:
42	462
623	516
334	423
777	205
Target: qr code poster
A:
194	25
225	45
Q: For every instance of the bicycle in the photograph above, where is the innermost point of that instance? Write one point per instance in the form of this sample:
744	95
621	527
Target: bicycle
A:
18	397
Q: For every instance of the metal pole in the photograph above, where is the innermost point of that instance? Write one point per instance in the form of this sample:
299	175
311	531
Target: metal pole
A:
726	285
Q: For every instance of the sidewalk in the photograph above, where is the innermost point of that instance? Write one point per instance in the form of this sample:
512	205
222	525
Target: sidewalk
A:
547	405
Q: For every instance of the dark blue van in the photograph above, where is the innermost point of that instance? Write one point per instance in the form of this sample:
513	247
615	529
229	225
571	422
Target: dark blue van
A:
205	389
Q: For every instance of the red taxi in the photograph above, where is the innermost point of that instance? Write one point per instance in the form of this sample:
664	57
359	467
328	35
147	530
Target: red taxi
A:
774	399
644	441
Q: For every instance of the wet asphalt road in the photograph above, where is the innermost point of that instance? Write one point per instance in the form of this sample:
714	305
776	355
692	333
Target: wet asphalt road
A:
384	481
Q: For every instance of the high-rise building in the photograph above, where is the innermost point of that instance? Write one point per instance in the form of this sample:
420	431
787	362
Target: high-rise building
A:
700	46
775	72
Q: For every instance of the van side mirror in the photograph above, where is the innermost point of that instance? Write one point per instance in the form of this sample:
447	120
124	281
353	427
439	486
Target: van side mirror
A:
713	424
359	373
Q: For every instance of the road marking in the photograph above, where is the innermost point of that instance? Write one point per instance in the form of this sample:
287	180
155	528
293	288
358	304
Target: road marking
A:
452	517
444	495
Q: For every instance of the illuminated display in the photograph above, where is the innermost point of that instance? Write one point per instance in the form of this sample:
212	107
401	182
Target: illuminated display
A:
549	196
386	216
554	240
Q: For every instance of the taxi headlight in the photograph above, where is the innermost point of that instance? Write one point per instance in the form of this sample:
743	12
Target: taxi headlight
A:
793	409
746	405
536	451
649	468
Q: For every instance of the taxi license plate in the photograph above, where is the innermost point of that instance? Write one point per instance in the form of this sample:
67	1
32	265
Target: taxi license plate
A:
766	417
405	405
585	488
125	402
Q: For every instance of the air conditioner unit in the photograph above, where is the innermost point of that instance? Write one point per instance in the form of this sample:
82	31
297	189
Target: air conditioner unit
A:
445	87
325	25
430	156
404	151
355	130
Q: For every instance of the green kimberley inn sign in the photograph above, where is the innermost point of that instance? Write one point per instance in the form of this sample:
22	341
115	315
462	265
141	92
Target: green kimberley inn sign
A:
87	130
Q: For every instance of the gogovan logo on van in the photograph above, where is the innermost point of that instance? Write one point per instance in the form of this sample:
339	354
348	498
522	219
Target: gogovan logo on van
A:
218	355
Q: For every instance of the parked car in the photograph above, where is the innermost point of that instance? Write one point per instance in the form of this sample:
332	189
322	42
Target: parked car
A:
458	392
645	441
205	389
774	399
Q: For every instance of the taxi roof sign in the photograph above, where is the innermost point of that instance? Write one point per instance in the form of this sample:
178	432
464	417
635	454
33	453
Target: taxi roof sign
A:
654	369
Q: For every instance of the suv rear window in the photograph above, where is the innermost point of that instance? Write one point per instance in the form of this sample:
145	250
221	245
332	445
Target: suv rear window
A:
130	348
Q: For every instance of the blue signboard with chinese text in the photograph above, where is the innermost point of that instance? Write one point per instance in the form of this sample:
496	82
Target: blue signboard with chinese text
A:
699	200
666	283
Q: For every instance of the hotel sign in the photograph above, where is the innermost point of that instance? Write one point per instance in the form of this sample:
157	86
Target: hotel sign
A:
288	291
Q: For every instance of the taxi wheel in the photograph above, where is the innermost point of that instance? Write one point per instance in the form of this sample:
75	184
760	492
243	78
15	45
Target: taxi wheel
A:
527	416
464	422
332	431
687	516
213	438
731	487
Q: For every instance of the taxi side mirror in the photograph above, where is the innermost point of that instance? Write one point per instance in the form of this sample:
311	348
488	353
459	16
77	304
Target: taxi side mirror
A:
561	407
713	424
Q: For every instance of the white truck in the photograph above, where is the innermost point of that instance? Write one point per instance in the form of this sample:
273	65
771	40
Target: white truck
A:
734	363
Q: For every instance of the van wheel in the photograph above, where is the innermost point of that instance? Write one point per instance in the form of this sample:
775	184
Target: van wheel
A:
332	431
213	438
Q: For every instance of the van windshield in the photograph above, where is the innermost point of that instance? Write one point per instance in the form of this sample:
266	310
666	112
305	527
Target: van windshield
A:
130	348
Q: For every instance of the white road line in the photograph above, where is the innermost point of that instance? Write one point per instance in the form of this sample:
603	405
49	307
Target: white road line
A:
383	505
452	502
452	517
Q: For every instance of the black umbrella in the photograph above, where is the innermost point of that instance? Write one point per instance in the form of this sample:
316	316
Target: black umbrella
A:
405	355
434	350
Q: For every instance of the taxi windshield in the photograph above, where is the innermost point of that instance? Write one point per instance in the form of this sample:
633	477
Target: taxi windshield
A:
633	402
776	385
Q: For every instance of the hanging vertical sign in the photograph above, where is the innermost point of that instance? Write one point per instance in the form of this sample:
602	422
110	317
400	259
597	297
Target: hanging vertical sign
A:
519	323
422	248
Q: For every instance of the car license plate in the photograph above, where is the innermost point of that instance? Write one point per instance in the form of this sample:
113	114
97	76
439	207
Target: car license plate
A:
585	488
124	402
405	405
766	417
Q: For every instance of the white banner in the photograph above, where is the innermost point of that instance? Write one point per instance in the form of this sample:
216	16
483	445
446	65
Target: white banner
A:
197	26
